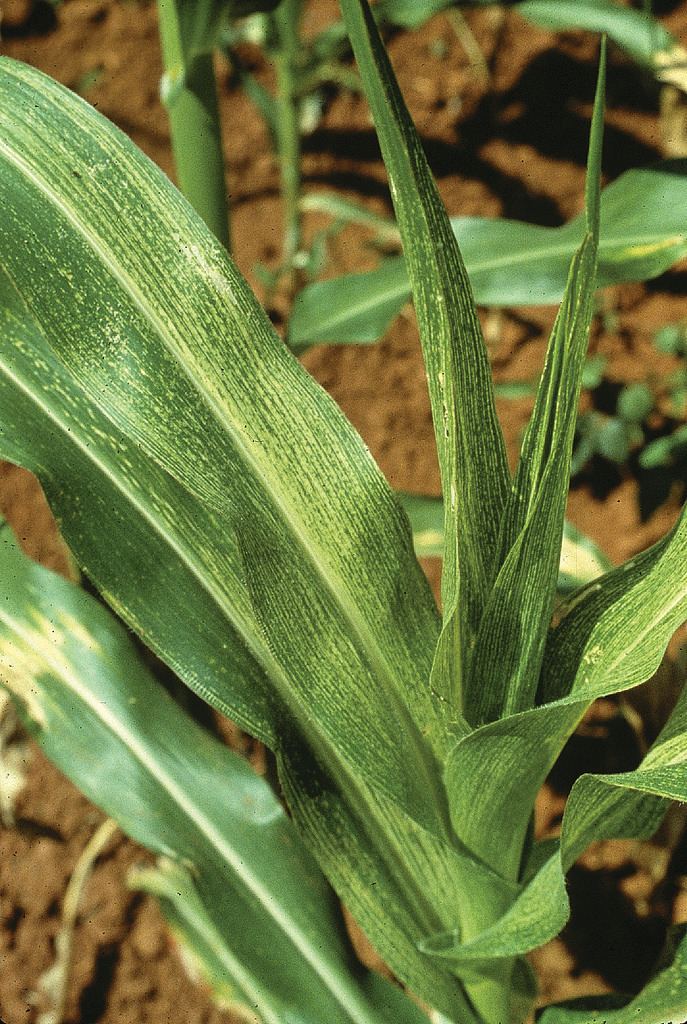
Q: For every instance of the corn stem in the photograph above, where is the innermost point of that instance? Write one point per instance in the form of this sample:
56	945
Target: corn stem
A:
189	92
286	21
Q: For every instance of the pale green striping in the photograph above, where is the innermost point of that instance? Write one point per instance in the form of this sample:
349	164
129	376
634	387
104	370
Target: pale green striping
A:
250	451
385	659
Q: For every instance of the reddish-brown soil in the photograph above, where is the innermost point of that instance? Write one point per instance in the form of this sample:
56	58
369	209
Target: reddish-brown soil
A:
514	147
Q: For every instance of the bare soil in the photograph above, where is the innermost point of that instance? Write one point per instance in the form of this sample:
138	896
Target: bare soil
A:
515	147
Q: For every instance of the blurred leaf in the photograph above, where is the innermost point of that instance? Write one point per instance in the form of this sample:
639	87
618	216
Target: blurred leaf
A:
593	371
635	402
514	389
511	263
664	450
409	13
640	35
209	959
202	22
671	339
637	32
611	441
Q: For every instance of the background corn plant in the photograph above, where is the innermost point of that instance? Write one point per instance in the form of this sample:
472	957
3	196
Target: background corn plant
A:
230	515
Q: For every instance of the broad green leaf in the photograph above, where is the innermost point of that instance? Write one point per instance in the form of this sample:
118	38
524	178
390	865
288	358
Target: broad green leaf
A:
200	475
115	732
662	1000
205	953
581	559
504	671
472	459
512	263
211	957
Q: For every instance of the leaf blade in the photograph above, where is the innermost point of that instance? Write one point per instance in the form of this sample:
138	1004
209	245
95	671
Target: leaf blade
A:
144	340
470	444
641	236
110	726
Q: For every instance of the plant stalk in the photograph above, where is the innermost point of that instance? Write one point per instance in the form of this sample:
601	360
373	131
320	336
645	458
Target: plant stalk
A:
189	93
286	21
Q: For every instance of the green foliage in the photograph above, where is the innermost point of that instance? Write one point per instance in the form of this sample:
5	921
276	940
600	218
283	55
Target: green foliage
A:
641	36
231	516
511	263
581	561
244	890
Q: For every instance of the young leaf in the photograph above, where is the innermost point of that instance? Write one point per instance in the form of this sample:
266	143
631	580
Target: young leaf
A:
174	396
505	669
620	629
628	805
512	263
470	444
115	732
581	559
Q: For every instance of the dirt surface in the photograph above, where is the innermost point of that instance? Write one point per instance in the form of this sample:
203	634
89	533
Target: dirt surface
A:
513	146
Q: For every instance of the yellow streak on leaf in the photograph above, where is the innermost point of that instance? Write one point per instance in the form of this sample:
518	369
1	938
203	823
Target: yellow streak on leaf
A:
637	251
670	67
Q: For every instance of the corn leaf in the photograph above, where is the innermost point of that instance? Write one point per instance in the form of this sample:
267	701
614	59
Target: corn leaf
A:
200	475
640	35
662	1000
233	987
504	672
512	263
472	459
207	957
114	731
581	562
393	904
438	880
635	611
614	635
